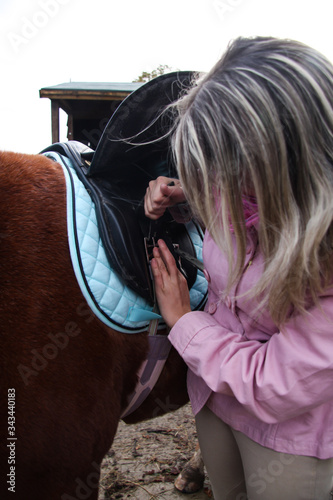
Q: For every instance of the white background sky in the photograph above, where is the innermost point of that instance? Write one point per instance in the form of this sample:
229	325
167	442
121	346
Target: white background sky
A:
47	42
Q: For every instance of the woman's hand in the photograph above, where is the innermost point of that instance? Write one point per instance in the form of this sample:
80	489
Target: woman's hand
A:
160	195
171	286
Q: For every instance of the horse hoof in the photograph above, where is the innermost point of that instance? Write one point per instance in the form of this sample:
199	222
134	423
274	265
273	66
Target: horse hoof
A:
190	481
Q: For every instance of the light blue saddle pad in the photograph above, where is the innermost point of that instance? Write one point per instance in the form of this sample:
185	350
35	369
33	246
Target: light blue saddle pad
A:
115	304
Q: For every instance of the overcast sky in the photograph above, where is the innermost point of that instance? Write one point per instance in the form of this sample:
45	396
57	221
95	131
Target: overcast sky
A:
47	42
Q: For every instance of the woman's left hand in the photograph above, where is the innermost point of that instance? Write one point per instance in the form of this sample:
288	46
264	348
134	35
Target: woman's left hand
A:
171	286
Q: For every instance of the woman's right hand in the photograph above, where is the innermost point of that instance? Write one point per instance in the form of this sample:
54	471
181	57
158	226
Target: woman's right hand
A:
160	195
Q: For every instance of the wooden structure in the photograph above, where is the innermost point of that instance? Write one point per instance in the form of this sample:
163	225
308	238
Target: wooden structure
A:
89	107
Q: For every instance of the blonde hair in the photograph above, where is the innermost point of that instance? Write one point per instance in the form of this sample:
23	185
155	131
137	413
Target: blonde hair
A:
261	122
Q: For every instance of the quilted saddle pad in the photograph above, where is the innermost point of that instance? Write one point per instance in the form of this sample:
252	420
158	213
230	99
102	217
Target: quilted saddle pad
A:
111	301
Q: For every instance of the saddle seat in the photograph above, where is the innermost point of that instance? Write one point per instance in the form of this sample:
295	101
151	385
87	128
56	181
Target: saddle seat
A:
134	149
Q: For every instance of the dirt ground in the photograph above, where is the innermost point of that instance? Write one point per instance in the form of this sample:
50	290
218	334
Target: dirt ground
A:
146	458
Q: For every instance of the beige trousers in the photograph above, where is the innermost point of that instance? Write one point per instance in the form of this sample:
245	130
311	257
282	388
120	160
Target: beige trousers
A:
240	469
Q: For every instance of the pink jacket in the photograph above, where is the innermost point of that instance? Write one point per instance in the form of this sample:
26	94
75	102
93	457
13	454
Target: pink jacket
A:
274	386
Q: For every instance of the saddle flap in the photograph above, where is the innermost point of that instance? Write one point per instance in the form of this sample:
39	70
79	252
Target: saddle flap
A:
136	136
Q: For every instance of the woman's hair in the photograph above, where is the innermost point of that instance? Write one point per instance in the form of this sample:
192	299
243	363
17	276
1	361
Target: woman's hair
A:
261	123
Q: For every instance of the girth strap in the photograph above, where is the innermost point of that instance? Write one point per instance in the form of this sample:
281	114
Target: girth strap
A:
159	348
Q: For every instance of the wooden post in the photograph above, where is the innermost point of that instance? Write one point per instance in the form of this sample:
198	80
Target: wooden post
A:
70	127
55	120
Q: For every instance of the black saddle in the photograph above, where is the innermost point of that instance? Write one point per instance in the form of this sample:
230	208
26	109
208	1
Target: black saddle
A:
134	149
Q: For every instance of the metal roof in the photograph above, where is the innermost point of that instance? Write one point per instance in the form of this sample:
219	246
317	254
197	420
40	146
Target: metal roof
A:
89	90
99	86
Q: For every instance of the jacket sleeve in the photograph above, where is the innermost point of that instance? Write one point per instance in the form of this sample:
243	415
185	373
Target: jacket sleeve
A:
277	380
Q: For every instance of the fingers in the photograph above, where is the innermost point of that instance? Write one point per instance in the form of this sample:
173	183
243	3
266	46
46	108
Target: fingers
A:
156	198
157	273
156	201
166	190
171	286
165	261
159	270
161	193
164	267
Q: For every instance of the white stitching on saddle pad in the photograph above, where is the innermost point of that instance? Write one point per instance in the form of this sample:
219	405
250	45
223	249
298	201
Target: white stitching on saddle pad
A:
113	303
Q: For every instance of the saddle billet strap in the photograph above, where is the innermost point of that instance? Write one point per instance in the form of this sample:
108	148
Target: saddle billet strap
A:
153	327
149	243
174	234
189	258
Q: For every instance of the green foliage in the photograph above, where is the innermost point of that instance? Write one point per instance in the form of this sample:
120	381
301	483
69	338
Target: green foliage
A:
160	70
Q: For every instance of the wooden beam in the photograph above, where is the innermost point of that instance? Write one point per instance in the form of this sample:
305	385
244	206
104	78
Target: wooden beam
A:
55	120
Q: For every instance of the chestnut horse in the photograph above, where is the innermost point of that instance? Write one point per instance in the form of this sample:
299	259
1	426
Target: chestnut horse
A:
65	375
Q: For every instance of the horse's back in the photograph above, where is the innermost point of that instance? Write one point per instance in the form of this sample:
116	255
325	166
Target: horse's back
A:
66	369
